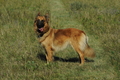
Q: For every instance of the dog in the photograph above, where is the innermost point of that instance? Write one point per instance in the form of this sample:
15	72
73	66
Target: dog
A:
54	40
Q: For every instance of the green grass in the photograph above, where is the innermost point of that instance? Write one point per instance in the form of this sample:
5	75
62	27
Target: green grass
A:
22	57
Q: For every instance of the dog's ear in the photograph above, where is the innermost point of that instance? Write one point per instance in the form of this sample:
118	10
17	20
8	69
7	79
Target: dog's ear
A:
47	17
38	14
36	17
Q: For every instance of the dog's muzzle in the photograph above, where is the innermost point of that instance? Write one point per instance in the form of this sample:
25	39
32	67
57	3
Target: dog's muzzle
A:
40	25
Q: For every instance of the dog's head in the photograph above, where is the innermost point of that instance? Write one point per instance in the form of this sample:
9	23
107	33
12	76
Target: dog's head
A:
41	23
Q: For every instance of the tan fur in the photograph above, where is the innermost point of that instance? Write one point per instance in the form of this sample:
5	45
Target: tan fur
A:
58	39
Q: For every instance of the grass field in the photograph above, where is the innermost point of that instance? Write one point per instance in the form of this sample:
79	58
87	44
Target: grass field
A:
22	57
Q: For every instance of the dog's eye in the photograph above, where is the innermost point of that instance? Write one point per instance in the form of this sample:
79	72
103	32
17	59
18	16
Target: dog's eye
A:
42	20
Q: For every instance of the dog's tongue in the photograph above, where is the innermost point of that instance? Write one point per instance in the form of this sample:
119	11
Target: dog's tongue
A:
41	29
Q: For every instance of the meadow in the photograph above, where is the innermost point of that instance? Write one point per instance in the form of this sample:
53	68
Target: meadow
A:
23	58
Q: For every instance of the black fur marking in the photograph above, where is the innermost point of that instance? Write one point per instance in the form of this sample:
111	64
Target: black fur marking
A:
40	24
40	35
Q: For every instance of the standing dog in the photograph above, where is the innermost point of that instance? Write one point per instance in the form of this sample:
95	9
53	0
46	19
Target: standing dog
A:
58	39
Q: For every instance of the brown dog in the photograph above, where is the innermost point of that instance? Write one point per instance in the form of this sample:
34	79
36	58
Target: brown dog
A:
58	39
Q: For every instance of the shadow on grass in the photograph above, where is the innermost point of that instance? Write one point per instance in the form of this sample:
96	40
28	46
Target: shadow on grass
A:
42	57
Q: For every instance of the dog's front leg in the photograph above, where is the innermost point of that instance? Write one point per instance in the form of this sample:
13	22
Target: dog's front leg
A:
49	53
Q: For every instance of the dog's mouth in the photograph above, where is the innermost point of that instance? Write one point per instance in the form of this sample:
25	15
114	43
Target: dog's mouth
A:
41	29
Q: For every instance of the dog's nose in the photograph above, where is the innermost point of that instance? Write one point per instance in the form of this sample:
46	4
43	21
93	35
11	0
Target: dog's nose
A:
40	23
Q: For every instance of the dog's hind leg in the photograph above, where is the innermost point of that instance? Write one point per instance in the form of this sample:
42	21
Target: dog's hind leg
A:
80	53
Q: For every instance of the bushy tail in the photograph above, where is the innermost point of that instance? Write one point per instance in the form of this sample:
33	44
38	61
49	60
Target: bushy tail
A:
87	50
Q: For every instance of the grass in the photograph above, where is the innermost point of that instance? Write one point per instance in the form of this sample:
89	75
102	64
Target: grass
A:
22	57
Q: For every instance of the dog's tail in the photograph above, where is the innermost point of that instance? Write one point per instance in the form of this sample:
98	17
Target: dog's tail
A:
87	50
